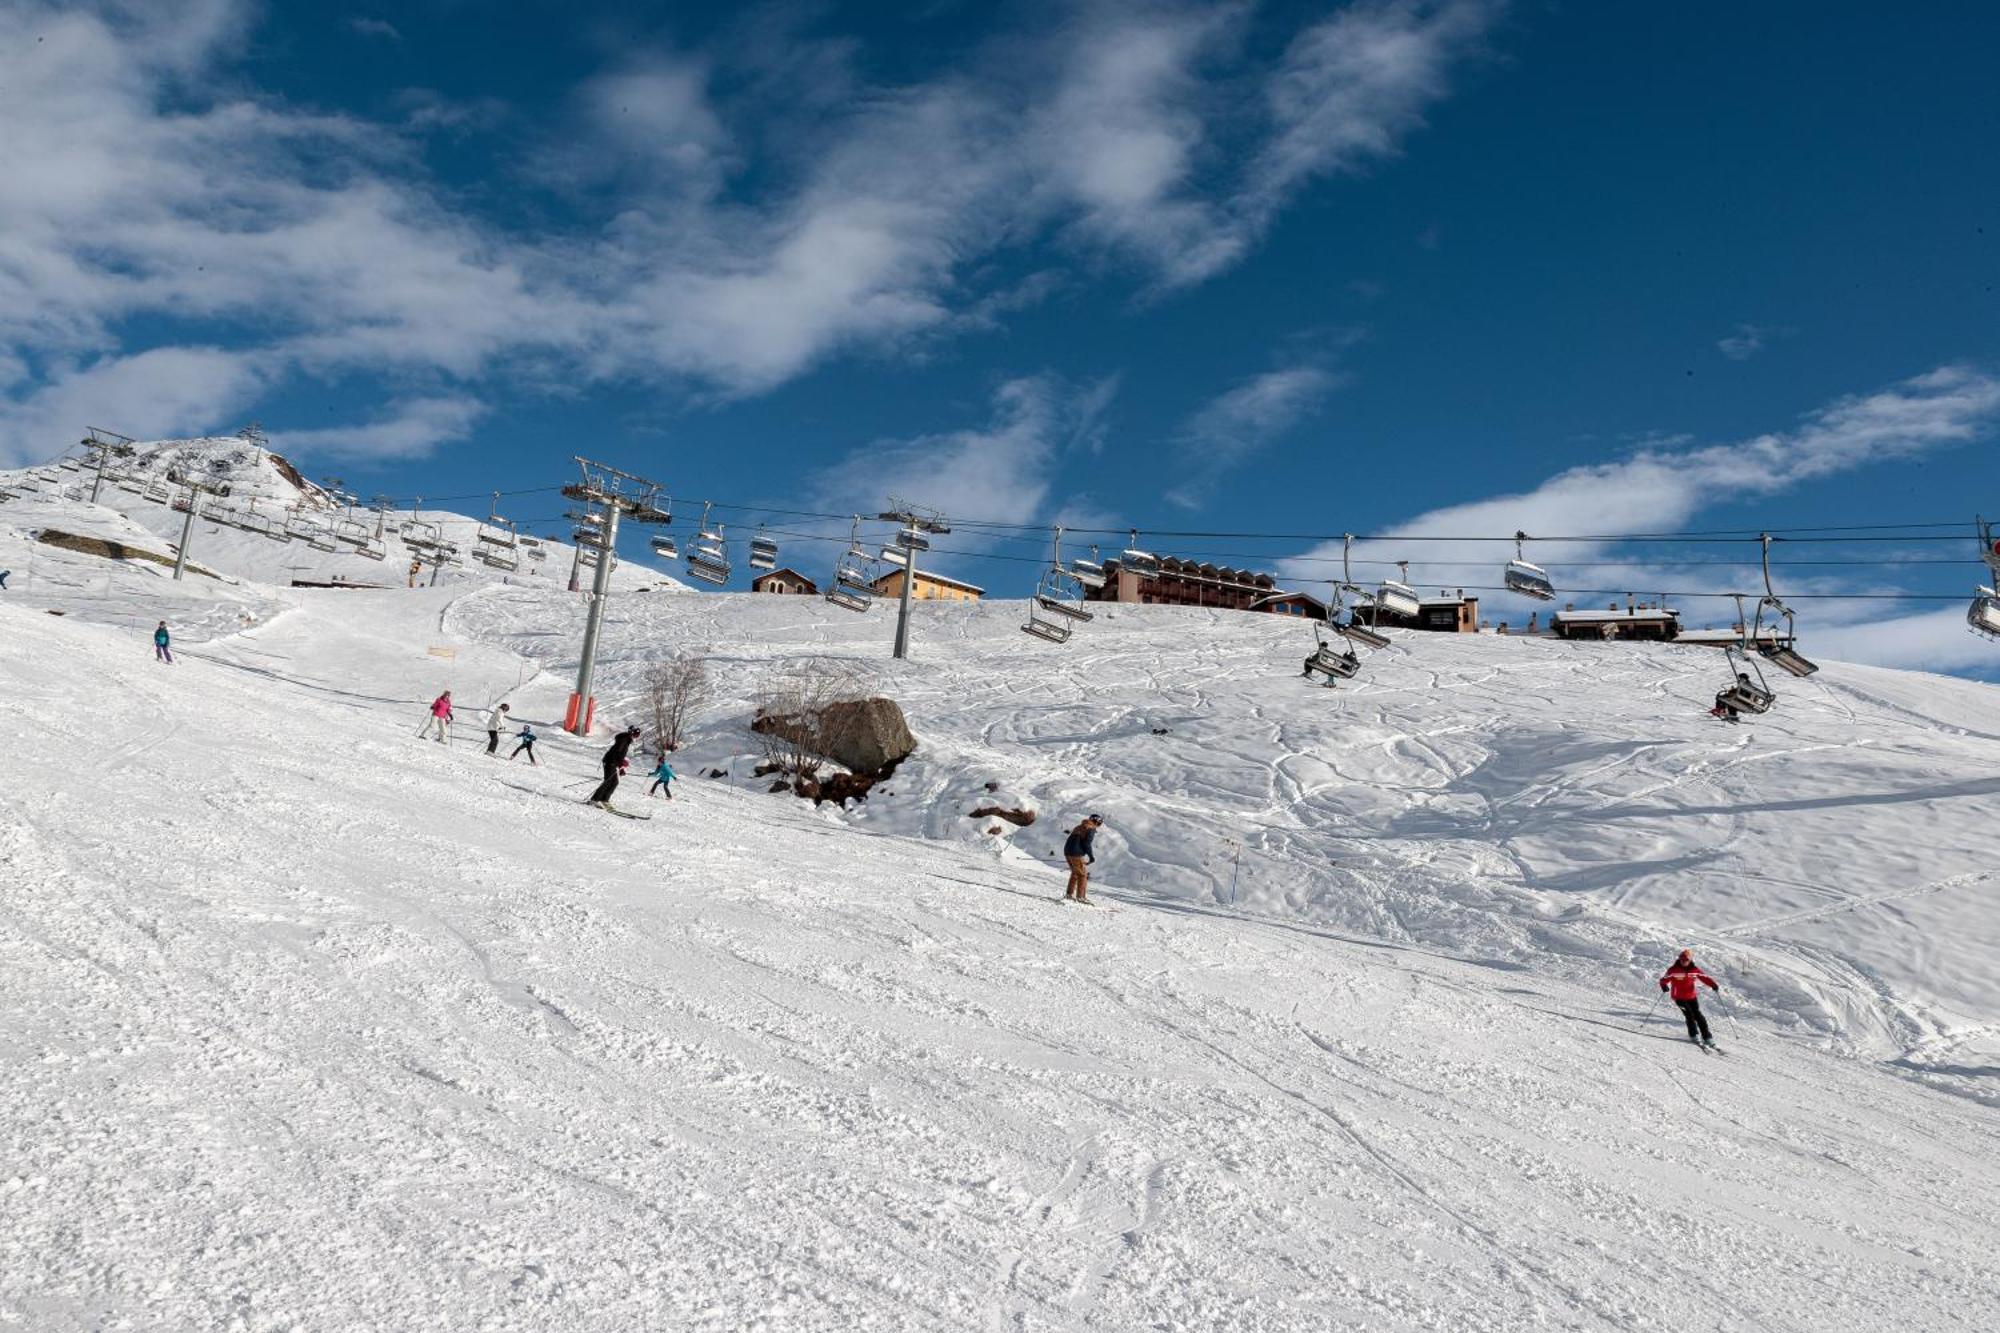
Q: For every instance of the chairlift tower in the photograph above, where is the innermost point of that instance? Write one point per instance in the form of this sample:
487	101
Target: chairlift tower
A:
916	521
619	495
195	489
103	446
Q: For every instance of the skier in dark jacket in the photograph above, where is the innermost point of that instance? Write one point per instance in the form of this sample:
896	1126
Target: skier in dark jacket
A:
1077	851
1681	982
614	764
161	651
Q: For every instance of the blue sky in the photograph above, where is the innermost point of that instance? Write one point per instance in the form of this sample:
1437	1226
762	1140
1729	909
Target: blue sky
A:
1446	268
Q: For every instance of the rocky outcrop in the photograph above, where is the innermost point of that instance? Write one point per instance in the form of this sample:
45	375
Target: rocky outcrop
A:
861	735
1018	818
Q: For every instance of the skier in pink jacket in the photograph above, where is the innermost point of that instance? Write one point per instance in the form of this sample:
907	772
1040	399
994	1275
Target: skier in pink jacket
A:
440	718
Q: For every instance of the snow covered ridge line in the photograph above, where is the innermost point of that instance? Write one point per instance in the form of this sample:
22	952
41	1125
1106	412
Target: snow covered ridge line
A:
274	527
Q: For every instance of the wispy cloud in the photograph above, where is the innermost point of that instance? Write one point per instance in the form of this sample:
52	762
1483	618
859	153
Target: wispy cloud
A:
373	27
1233	428
411	427
1746	340
728	242
1658	489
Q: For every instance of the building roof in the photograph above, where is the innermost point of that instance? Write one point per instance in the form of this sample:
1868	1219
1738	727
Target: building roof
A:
780	571
926	576
1614	617
1273	599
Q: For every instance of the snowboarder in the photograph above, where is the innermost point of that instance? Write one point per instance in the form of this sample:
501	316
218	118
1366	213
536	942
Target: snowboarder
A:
496	719
1077	851
663	778
162	651
1681	982
440	718
527	737
614	764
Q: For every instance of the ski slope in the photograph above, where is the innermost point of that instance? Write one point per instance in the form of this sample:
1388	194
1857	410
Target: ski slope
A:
311	1024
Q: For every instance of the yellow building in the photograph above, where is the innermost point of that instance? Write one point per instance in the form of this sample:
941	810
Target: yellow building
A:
929	587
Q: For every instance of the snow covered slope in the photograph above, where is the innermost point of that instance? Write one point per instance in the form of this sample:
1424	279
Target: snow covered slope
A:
308	1024
1566	807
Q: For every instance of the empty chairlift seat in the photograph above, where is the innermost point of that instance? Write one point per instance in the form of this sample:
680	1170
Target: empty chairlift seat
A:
1090	573
665	548
1333	663
1398	598
1787	658
1530	581
763	552
853	587
1137	562
708	553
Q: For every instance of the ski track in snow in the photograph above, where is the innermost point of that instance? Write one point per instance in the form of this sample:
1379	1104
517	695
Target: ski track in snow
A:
310	1024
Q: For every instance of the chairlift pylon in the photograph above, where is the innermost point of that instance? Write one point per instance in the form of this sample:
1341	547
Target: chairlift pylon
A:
1529	580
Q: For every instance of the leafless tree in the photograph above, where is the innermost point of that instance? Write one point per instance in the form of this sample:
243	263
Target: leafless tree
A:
678	688
789	712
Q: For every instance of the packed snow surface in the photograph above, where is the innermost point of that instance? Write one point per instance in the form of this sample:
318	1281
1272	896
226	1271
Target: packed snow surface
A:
312	1024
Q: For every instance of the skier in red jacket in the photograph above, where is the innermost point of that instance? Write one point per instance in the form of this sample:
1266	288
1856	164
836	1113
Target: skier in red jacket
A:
1680	981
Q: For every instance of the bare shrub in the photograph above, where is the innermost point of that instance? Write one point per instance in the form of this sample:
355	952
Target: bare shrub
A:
678	688
790	708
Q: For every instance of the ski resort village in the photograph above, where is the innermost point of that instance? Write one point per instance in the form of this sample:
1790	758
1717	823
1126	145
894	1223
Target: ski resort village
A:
1051	668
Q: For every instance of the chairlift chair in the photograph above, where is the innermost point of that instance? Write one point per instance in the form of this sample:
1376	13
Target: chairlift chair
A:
1397	596
158	493
372	549
1352	629
1529	580
895	555
853	587
1748	691
1779	652
1090	573
1136	562
763	552
708	553
1984	613
1060	592
911	538
665	547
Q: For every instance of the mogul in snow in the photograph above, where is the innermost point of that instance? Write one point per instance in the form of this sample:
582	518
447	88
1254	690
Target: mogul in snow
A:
496	722
162	645
1681	982
614	764
440	719
1077	852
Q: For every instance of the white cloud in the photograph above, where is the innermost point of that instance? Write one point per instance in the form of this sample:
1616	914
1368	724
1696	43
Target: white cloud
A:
1924	641
1235	426
164	393
1660	488
1746	340
374	27
1028	458
144	183
412	427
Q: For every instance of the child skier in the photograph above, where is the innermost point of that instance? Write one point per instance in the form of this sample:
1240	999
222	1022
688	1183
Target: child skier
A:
440	718
1077	851
663	779
161	651
496	718
1680	982
527	737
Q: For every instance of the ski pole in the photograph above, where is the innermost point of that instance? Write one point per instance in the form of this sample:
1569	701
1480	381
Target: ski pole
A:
1651	1007
1733	1025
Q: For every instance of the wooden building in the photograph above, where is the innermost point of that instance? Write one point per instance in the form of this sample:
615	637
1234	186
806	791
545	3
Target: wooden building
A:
1644	621
1445	613
929	587
785	580
1291	604
1184	583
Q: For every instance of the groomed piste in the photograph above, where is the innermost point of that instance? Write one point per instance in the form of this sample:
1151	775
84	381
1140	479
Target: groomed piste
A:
311	1024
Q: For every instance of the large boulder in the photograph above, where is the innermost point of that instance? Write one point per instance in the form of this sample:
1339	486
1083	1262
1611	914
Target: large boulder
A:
861	735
